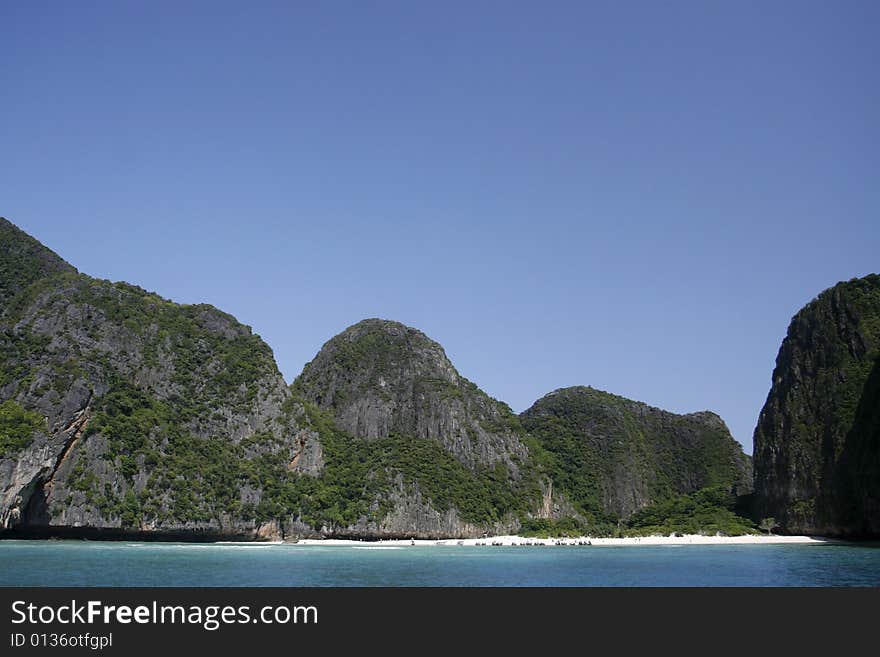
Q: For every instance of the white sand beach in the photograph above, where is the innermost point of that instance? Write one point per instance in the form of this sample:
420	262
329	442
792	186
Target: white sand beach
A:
694	539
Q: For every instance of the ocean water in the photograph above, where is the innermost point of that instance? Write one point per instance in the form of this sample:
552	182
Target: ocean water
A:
84	563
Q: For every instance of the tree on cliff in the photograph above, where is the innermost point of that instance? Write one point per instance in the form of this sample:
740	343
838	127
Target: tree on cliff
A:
768	525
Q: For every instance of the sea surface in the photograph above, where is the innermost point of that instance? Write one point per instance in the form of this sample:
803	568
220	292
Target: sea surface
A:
85	563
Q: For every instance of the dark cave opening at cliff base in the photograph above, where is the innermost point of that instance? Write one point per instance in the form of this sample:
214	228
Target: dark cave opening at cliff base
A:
58	532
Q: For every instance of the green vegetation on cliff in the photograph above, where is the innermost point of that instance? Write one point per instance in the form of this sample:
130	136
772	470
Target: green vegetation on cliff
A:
423	424
193	479
816	442
187	478
169	417
24	260
567	526
164	332
181	407
360	478
17	427
197	367
612	456
709	510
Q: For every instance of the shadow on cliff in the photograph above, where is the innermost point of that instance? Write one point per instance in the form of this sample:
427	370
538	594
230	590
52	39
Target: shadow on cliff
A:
856	492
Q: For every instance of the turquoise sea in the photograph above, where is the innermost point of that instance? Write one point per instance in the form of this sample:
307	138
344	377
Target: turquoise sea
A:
84	563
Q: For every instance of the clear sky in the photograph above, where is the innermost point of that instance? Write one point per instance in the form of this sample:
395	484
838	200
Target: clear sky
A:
635	196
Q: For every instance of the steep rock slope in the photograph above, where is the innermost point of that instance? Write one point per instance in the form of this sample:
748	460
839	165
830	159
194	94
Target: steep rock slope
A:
613	456
24	261
817	446
123	412
453	460
380	378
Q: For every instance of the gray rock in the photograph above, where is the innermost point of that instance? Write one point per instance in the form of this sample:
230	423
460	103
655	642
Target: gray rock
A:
380	377
72	342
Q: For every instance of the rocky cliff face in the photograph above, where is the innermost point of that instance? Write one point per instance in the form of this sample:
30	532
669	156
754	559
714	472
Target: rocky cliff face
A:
24	261
380	378
123	412
817	442
455	461
613	456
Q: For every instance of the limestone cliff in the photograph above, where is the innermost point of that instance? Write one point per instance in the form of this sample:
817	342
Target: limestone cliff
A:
614	456
453	460
379	378
130	413
817	441
123	414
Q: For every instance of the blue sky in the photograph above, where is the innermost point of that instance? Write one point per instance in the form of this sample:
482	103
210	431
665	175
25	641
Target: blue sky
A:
635	196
